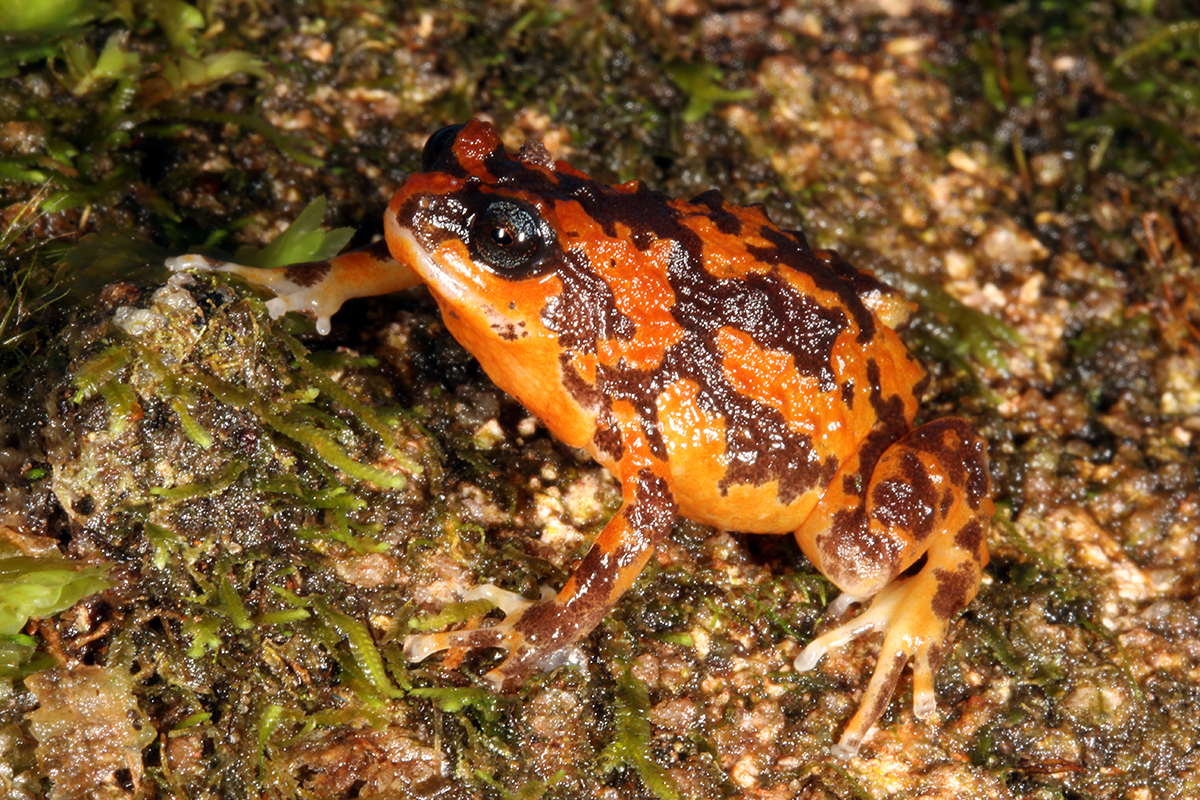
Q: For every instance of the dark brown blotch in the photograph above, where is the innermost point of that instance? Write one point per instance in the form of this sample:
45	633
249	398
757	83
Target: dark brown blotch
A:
583	392
947	501
607	440
906	503
979	484
935	653
654	508
970	536
511	332
890	425
585	311
835	276
949	442
307	274
848	394
954	589
548	626
725	220
852	551
962	453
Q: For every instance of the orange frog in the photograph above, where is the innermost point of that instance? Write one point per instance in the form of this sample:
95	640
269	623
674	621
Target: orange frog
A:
722	369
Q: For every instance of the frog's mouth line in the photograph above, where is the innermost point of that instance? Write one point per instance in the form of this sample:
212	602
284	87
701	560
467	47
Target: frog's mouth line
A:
407	249
453	284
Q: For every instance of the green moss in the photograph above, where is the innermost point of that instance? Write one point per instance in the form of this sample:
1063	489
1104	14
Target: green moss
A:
630	746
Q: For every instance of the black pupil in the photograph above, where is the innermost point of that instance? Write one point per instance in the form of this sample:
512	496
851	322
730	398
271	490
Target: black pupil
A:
506	237
509	235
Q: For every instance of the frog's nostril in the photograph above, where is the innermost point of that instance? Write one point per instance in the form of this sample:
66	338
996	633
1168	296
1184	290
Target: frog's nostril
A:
438	146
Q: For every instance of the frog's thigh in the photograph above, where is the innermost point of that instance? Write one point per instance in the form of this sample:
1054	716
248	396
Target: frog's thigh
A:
928	495
923	488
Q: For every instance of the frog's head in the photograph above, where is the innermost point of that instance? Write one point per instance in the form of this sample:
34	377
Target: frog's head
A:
504	243
480	227
476	225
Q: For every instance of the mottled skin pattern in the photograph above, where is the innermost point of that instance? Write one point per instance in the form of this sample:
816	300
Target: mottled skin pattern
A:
718	366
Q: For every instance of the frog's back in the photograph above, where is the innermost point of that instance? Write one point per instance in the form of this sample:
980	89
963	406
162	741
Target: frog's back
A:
756	362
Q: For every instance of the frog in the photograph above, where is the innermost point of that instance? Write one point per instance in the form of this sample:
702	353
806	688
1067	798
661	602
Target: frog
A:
721	369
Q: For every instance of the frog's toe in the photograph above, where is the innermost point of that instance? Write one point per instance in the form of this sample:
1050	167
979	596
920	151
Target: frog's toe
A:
420	647
504	635
849	631
908	636
312	299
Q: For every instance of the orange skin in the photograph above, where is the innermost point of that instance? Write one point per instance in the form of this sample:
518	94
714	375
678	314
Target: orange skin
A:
719	367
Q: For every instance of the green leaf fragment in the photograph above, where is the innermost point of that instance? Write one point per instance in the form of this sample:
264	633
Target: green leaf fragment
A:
369	416
177	19
181	403
205	633
335	497
19	657
452	614
46	17
186	72
43	586
701	82
192	720
304	240
163	541
18	170
317	441
338	528
453	700
188	491
121	405
115	62
268	721
232	606
323	446
1160	39
287	616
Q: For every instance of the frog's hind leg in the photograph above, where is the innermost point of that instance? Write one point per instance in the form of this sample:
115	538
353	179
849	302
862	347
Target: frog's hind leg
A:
317	288
928	496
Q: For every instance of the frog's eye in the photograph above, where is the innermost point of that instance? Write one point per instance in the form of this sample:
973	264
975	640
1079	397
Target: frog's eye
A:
438	145
508	236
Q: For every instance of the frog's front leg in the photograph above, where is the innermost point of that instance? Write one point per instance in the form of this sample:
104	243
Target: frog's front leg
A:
928	495
534	632
317	288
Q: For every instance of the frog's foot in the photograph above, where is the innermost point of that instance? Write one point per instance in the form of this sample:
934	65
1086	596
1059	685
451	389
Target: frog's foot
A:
909	635
316	288
525	654
290	295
